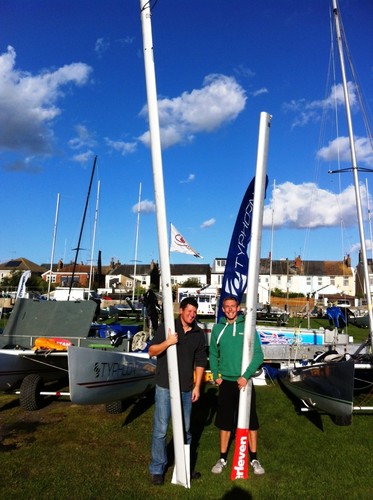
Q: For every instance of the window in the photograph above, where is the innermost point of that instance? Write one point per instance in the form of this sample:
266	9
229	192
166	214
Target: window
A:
332	280
319	280
66	281
221	262
309	281
345	281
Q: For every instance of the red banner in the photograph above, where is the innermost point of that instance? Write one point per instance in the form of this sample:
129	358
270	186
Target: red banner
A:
240	464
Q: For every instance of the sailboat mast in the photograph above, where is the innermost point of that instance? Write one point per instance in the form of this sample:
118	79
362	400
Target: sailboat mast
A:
181	452
136	244
354	170
369	219
271	247
94	236
81	229
53	244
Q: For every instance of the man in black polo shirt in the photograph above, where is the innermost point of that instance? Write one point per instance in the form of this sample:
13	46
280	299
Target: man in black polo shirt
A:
191	356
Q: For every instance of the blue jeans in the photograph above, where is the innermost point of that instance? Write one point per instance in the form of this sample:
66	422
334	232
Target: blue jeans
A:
161	420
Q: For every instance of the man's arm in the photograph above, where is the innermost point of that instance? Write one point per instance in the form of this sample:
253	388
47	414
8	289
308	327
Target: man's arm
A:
197	386
157	349
257	359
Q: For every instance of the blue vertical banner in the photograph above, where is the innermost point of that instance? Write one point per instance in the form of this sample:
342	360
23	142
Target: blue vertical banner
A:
235	274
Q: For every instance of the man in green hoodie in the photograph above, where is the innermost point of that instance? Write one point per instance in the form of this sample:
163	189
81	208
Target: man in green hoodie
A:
226	348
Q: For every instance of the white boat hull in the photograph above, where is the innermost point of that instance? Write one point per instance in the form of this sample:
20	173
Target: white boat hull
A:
97	376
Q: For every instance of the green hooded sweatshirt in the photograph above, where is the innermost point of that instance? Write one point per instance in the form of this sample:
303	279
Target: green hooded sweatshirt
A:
226	347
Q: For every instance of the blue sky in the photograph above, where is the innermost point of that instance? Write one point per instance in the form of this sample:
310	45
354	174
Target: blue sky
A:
72	86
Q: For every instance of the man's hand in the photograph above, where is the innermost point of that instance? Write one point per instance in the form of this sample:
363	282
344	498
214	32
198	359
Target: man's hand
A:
242	383
172	338
195	394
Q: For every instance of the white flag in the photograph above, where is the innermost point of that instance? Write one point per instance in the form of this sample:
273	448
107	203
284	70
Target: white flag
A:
21	291
178	244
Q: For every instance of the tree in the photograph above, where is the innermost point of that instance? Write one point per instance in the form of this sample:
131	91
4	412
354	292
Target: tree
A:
191	282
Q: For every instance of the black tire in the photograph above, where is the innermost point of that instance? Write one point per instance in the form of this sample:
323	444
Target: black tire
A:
115	407
343	421
30	398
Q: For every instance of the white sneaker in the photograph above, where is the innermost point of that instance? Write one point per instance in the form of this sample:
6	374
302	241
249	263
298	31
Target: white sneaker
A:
258	469
219	466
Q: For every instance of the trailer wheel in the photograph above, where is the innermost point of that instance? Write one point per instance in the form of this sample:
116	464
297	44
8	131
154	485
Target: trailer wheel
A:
115	407
345	420
30	398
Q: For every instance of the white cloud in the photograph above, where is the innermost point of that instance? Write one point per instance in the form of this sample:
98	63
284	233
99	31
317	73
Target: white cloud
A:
208	223
190	178
83	157
127	40
355	248
220	100
146	207
101	46
28	103
308	206
261	91
124	148
310	111
340	149
83	139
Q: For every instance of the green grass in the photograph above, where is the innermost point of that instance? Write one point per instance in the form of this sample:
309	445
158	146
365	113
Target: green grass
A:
69	451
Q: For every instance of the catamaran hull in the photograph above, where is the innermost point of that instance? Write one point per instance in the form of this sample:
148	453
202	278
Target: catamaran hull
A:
326	387
15	365
97	376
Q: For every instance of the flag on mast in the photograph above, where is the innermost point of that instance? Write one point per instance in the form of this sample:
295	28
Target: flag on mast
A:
179	244
235	273
21	291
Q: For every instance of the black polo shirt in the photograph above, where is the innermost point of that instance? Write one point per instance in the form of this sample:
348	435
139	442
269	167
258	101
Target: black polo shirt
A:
191	352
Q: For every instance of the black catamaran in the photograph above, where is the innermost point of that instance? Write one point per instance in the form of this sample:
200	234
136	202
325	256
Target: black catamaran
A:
328	384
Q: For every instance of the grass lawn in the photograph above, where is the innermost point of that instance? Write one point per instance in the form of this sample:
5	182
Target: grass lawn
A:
69	451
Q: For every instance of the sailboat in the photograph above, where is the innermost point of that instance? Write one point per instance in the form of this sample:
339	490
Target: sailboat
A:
328	383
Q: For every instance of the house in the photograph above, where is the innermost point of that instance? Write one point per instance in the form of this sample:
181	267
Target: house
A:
308	277
61	275
184	272
20	264
311	278
359	281
121	277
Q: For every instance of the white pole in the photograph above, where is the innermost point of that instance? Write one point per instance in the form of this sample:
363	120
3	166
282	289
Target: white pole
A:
53	244
136	245
238	470
94	237
271	247
355	172
182	466
369	219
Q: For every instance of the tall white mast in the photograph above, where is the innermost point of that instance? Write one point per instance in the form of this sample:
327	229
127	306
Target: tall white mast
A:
53	244
136	244
182	466
271	247
369	219
94	237
239	471
354	168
